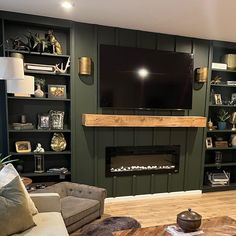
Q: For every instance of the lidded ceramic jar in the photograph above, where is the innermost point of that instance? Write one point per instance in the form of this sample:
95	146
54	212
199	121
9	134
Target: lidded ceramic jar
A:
189	220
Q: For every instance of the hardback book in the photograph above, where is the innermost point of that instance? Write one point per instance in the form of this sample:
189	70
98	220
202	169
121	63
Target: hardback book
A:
175	230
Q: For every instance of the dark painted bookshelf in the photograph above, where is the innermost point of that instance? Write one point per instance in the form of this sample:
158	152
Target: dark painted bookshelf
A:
227	153
32	107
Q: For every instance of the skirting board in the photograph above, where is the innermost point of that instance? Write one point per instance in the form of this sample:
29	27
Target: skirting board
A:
153	196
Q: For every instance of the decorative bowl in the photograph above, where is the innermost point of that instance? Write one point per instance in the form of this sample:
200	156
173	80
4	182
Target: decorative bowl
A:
189	220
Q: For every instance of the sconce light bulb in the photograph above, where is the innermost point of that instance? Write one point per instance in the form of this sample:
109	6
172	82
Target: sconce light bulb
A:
143	72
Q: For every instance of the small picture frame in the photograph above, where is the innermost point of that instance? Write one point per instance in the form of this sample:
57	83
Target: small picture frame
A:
56	91
43	121
23	146
209	143
56	119
218	100
233	97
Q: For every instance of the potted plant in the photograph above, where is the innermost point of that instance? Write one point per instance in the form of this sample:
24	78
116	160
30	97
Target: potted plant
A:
5	160
222	116
36	43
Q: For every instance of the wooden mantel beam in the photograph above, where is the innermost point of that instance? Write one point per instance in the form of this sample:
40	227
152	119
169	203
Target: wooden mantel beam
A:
100	120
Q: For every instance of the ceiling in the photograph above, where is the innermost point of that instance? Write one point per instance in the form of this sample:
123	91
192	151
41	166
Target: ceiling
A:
208	19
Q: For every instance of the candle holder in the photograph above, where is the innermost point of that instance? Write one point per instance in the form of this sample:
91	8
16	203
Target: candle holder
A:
38	163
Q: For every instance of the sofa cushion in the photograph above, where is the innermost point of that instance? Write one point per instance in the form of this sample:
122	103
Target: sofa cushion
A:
48	224
7	174
15	215
75	209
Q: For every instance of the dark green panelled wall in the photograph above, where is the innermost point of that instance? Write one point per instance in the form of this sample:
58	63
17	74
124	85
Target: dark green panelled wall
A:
90	154
88	160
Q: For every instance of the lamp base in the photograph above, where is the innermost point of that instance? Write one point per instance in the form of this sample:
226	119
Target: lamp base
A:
22	95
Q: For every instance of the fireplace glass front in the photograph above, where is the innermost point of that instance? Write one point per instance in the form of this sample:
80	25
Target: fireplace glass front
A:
142	160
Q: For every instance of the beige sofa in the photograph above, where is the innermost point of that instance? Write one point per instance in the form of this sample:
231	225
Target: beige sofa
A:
49	221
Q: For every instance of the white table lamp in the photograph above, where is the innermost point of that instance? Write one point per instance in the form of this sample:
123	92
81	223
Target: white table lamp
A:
23	87
11	68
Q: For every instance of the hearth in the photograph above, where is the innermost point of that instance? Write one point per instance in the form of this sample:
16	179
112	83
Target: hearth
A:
142	160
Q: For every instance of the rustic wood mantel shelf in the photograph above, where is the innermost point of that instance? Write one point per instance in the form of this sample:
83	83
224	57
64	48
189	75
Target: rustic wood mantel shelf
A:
100	120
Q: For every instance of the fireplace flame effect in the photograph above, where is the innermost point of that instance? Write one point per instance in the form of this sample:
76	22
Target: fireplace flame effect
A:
141	168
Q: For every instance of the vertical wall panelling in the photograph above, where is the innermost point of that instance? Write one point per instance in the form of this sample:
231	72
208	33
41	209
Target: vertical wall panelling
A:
195	137
162	135
86	102
74	124
125	136
104	136
178	136
144	136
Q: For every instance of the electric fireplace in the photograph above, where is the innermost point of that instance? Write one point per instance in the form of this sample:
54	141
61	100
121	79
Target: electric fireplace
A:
142	160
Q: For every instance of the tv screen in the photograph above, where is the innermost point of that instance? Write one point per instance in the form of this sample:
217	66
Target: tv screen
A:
145	78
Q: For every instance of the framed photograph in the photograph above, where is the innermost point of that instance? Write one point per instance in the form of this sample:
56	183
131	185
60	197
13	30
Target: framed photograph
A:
233	97
209	142
217	98
56	91
23	146
43	121
56	119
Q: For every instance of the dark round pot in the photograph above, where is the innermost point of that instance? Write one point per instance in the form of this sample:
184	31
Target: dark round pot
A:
189	220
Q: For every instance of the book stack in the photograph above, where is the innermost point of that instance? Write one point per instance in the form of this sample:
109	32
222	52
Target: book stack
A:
22	126
218	179
175	230
59	171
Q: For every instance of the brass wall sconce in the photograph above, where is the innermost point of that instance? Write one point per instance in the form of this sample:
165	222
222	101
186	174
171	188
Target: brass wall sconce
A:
201	75
85	66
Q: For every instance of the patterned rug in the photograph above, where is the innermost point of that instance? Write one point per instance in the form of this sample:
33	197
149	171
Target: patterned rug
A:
109	225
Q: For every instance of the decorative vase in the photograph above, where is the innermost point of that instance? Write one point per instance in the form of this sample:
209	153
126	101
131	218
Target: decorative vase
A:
221	125
38	92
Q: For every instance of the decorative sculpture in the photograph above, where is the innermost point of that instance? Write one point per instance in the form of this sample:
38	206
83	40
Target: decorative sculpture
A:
56	46
39	148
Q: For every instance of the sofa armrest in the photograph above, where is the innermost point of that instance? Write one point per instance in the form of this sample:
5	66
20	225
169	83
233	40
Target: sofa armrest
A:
46	202
86	191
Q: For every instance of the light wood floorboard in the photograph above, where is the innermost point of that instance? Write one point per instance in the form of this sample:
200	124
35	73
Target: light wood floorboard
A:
163	210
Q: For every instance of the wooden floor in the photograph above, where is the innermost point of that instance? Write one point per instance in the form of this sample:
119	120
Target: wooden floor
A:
163	210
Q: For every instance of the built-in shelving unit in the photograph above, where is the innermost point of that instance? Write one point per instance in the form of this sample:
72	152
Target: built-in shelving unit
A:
32	106
100	120
219	159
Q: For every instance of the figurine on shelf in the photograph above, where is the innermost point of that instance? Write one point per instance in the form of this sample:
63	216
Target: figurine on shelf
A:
39	148
210	125
56	46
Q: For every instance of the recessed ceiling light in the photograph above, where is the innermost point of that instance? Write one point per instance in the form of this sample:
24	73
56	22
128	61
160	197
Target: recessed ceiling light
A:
67	4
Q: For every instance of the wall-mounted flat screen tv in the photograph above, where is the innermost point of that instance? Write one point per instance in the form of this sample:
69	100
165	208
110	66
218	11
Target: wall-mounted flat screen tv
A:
145	78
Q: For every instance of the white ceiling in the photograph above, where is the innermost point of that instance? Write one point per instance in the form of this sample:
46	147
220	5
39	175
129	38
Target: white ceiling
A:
208	19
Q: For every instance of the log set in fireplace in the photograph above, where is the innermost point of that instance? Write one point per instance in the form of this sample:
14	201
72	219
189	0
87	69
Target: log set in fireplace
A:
142	160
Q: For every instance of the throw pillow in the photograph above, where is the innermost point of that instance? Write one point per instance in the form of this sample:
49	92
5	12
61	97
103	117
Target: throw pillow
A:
15	216
7	174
